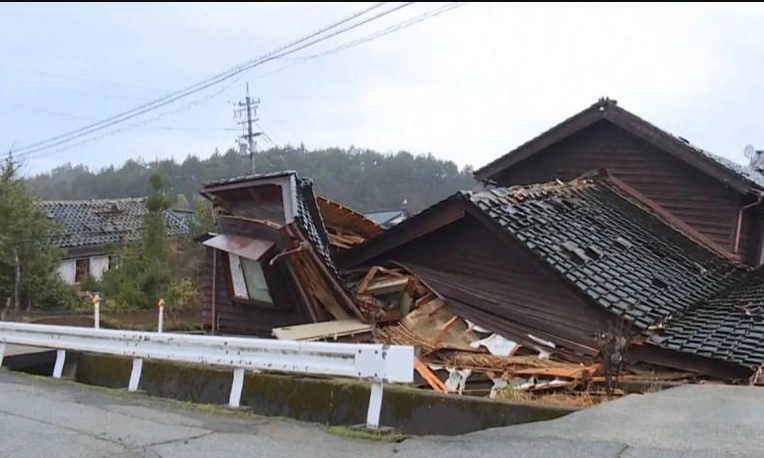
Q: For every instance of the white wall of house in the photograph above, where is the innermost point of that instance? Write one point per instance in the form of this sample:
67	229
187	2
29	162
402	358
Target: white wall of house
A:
98	265
66	270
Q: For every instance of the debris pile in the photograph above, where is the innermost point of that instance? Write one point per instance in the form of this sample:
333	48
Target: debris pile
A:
345	227
455	355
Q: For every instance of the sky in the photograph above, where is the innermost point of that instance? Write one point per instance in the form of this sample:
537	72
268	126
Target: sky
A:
467	85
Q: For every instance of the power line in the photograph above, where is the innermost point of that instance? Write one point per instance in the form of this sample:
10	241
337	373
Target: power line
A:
272	55
385	31
185	107
299	60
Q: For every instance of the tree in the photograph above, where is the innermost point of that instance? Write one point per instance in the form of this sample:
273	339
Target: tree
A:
28	260
363	179
146	273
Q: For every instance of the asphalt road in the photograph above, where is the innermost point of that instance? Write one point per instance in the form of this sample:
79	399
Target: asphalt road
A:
45	417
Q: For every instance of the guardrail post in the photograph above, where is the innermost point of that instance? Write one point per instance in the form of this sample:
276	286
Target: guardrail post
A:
375	405
2	352
96	311
236	386
160	320
59	367
135	375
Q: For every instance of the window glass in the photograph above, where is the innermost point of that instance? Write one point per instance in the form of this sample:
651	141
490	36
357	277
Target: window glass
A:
237	277
255	278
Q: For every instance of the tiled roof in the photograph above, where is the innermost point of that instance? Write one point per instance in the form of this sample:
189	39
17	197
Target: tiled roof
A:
97	222
609	247
729	327
309	218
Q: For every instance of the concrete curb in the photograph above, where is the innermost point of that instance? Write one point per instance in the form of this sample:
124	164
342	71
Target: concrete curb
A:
327	401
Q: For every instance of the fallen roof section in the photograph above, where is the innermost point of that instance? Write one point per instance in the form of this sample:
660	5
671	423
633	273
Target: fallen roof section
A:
729	327
611	247
346	227
625	259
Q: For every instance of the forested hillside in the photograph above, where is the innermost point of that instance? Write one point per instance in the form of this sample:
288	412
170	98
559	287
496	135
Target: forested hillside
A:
363	179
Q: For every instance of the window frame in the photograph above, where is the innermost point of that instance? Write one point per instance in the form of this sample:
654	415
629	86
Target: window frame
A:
77	261
263	262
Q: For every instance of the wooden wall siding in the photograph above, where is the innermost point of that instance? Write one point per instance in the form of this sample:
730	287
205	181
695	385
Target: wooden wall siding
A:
248	319
697	199
471	266
263	202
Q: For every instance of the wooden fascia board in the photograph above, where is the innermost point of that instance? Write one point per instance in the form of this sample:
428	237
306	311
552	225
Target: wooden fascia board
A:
675	147
279	181
554	135
434	218
668	218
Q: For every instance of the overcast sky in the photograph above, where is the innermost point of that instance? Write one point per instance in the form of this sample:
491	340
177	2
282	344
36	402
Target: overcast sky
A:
467	85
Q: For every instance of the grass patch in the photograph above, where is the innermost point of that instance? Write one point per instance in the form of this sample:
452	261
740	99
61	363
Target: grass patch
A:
381	436
582	399
514	394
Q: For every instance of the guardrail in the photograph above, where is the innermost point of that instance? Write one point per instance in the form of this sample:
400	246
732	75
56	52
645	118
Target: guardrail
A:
375	362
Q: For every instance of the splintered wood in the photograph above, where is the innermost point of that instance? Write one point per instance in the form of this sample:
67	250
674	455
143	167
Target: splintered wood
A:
452	352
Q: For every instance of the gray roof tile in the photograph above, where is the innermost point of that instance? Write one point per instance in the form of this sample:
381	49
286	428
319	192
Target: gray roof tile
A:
102	221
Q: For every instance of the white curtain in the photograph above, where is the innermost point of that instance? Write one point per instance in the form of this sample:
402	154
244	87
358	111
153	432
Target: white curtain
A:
66	270
98	265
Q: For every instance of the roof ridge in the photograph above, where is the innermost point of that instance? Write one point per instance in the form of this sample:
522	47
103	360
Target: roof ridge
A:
710	163
84	201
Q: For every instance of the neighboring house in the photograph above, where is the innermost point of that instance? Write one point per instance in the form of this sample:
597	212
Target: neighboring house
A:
556	265
715	196
387	219
269	264
92	231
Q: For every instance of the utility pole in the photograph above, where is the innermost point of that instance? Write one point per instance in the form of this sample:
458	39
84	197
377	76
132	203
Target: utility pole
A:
249	107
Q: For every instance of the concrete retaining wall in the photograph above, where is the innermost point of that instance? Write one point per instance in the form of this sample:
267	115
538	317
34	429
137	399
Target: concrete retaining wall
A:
327	401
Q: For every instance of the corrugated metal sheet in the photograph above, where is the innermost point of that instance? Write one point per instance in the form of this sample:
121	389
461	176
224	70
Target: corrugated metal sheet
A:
239	245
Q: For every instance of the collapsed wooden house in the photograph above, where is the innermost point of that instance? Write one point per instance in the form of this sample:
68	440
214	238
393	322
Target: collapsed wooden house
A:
558	266
269	264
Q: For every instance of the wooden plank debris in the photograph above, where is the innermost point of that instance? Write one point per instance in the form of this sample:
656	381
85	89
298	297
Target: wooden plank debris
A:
323	330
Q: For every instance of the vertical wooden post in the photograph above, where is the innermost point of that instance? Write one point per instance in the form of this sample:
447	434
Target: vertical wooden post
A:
213	318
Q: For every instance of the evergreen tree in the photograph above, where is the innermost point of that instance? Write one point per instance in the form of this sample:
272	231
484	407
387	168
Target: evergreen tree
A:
28	261
363	179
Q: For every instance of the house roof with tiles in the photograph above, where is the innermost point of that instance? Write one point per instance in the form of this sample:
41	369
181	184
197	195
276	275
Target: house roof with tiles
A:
104	221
